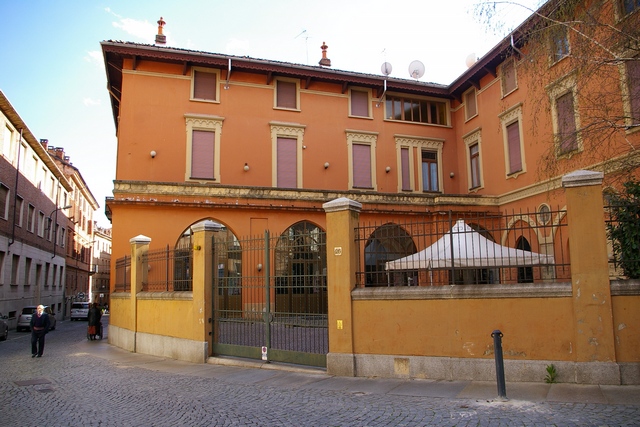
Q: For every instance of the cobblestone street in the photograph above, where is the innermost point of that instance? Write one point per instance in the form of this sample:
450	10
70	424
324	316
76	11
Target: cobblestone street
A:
73	385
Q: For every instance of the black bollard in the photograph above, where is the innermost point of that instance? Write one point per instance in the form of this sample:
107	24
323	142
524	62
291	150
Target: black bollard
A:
497	349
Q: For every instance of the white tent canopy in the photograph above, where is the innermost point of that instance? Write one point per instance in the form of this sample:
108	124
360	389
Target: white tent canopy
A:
469	249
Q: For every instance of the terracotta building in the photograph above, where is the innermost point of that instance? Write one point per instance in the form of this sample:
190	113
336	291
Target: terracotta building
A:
253	145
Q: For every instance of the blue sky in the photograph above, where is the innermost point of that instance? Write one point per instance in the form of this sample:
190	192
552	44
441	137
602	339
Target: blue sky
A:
52	69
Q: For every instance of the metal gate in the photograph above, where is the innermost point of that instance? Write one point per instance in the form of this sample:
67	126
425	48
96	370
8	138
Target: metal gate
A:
270	296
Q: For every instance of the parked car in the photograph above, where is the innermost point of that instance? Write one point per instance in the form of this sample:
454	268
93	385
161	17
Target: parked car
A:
24	320
4	327
80	310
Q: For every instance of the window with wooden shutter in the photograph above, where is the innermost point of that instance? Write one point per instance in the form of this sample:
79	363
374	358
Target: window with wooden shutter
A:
202	154
513	143
359	103
406	169
204	85
633	86
286	94
509	82
567	137
287	163
362	166
471	108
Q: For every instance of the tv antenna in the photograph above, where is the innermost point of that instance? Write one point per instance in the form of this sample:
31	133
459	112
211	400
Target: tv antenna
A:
306	42
416	69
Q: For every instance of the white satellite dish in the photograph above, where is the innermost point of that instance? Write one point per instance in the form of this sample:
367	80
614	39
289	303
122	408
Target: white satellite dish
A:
471	59
386	68
416	69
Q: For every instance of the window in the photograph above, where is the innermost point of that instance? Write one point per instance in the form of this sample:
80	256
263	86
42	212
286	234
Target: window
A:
627	7
15	265
362	149
470	106
512	140
4	201
559	43
203	147
359	103
566	123
287	94
204	85
287	163
286	142
41	224
2	256
429	170
474	171
429	153
633	91
508	77
415	110
19	204
31	218
27	271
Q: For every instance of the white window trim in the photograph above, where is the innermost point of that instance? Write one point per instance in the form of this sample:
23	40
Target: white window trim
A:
418	143
515	70
508	117
470	139
275	93
193	80
464	97
286	130
206	123
363	138
556	90
369	101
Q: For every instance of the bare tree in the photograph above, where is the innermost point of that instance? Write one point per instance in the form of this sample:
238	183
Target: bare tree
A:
581	60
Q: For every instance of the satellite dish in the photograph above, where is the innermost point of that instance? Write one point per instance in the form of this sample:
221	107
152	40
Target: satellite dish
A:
471	59
386	68
416	69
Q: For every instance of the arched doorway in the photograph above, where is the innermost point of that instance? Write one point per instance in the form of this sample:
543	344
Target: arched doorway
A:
387	243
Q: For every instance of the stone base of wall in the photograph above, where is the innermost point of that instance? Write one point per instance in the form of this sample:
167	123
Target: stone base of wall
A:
159	345
462	369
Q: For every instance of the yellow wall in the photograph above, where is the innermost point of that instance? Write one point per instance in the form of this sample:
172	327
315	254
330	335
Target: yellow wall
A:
626	322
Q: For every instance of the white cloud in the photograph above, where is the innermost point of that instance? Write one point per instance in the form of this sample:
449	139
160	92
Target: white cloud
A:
89	102
94	57
238	47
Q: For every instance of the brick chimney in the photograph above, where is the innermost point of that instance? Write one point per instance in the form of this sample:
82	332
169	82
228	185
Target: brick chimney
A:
44	143
325	62
161	38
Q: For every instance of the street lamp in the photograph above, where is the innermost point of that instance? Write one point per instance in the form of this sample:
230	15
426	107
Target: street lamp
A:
55	229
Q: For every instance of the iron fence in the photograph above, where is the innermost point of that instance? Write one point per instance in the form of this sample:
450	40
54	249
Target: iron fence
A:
448	248
123	274
168	269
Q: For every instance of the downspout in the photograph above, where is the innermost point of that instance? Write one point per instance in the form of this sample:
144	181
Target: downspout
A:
15	193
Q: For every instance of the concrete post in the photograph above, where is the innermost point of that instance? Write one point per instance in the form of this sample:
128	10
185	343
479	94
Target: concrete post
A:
342	260
203	280
139	270
594	341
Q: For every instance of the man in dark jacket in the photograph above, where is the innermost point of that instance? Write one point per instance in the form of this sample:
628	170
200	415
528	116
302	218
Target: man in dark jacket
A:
94	321
40	324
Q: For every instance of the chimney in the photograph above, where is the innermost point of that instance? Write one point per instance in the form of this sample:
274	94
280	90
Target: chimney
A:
325	62
44	143
161	38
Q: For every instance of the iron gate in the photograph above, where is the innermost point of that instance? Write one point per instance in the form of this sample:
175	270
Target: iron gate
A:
270	296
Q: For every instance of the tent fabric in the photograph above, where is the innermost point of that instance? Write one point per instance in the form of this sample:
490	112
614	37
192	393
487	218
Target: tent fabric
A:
470	249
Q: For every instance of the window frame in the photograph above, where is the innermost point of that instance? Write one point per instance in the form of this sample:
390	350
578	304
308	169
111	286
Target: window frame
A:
207	123
415	145
367	92
362	138
4	210
507	118
213	71
275	93
471	93
392	98
470	140
292	131
559	44
555	91
509	64
31	217
628	94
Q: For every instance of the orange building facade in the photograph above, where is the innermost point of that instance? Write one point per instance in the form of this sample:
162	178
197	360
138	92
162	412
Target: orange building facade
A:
260	145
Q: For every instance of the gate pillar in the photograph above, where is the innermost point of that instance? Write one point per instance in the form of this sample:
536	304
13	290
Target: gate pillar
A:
139	247
342	260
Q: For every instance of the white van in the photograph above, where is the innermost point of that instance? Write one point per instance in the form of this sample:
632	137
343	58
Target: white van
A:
80	310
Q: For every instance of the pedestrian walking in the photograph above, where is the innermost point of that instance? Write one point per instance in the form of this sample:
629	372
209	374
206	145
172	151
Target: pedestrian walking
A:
40	324
94	317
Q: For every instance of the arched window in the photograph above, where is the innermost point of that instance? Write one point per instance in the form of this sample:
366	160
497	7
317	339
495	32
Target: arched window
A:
387	243
525	274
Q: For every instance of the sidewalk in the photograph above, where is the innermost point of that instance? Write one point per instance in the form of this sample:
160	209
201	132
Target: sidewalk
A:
250	372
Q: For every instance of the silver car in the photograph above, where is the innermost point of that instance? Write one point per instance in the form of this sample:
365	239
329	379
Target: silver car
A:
24	321
80	311
4	327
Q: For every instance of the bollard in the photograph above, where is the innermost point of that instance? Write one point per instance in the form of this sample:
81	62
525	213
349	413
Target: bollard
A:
497	349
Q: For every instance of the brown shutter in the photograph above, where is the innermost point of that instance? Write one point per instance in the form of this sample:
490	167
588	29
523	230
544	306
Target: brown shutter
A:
362	166
202	152
286	97
204	85
406	178
287	163
359	103
633	77
566	123
513	141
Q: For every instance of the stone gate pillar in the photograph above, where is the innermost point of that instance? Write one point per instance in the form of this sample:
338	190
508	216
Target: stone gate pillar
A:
594	334
139	271
342	260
